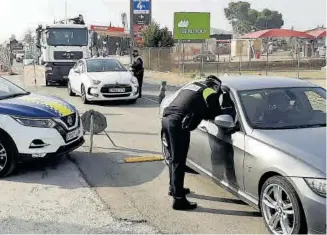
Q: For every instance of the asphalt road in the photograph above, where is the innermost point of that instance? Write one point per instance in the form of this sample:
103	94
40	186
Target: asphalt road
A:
137	192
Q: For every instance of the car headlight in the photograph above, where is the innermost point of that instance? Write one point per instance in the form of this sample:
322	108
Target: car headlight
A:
96	82
31	122
134	80
317	185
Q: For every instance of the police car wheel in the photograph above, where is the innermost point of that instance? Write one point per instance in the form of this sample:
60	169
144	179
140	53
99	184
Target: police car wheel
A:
7	156
165	150
69	89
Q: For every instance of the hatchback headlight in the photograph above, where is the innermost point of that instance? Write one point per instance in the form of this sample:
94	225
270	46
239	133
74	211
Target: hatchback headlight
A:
31	122
96	82
317	185
134	81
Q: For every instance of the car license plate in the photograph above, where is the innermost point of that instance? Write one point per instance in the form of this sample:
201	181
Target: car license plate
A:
65	77
117	90
72	135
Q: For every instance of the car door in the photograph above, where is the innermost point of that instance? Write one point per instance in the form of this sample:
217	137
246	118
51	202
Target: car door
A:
218	154
81	74
73	76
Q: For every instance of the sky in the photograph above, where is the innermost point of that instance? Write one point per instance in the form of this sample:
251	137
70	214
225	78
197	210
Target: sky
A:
19	15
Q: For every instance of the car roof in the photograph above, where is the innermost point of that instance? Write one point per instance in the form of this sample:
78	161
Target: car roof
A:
241	83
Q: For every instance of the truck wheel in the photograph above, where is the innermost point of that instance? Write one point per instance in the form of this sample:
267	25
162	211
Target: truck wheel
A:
69	89
8	153
83	95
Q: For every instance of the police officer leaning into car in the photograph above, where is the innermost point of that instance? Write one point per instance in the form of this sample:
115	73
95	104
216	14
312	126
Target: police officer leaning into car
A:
196	102
138	69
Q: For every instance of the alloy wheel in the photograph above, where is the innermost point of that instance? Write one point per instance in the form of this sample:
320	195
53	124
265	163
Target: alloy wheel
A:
3	157
277	209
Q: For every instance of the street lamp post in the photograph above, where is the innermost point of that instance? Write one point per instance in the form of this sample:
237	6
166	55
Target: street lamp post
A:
131	34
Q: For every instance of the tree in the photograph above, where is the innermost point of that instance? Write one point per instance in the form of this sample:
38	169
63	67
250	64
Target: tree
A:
12	37
154	36
28	36
244	19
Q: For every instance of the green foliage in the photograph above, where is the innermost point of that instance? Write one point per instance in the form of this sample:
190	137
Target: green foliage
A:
244	19
154	36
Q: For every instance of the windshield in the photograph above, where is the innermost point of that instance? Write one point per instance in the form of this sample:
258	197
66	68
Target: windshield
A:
103	65
67	37
8	89
285	108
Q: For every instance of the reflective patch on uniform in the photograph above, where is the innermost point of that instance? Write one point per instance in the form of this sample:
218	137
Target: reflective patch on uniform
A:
56	106
207	92
192	87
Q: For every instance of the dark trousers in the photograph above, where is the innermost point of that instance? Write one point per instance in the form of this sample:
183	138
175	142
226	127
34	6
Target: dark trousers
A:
139	76
178	141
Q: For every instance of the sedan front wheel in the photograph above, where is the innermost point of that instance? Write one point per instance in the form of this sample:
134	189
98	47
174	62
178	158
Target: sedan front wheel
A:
281	207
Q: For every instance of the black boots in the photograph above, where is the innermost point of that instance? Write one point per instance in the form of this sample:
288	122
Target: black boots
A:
183	204
186	191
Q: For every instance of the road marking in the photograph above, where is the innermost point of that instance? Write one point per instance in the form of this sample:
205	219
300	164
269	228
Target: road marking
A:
150	100
143	159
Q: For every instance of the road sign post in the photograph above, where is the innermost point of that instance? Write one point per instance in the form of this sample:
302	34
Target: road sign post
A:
141	14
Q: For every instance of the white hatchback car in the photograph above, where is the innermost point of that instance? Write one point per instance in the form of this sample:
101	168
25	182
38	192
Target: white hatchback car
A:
102	79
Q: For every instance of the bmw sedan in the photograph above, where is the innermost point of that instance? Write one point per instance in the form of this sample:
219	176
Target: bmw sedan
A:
268	148
102	79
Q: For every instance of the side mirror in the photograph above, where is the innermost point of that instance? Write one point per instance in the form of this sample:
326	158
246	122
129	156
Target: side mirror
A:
225	121
77	71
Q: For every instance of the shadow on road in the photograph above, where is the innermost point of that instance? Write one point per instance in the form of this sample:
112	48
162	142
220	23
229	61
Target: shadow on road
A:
217	199
228	212
109	169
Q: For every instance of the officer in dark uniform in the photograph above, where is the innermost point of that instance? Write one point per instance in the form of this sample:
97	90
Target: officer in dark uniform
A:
196	102
138	70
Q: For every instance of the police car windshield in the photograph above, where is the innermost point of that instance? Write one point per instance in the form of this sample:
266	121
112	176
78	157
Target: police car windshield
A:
10	90
104	65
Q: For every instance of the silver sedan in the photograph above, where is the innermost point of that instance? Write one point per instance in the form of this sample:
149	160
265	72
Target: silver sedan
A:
269	149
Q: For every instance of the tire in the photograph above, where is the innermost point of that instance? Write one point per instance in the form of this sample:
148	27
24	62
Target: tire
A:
83	95
69	89
296	222
8	153
165	149
47	83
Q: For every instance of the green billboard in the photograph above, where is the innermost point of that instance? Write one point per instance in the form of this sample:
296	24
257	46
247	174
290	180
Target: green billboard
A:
191	25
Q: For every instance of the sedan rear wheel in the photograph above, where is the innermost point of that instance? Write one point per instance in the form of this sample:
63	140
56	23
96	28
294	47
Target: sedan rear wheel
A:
281	208
165	149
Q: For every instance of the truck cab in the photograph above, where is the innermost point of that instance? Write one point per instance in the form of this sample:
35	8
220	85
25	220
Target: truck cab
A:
60	46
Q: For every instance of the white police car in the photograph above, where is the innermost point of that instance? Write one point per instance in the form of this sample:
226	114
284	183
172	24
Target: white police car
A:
34	126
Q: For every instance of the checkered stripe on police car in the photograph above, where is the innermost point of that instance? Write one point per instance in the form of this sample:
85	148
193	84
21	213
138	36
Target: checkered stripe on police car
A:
56	106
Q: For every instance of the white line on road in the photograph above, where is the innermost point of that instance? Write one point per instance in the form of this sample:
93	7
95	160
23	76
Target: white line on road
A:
150	100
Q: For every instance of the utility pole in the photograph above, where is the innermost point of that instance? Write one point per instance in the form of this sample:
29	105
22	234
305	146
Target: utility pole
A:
66	11
131	34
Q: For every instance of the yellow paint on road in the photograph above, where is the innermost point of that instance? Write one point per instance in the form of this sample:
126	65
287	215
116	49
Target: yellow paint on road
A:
136	159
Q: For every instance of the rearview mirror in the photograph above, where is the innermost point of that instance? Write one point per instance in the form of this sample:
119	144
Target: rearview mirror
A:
225	121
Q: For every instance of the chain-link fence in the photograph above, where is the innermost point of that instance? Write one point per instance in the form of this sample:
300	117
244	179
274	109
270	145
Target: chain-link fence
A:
5	59
237	57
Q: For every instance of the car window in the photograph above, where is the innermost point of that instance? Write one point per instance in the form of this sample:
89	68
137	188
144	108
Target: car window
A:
104	65
8	89
283	108
317	102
